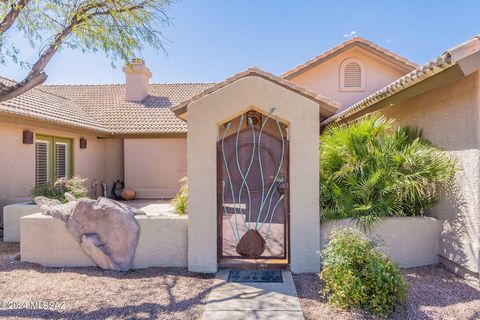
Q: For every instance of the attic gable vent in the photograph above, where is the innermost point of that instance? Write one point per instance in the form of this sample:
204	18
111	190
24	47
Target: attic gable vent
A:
352	75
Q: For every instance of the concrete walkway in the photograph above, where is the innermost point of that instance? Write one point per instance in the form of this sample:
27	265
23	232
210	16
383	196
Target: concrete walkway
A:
253	300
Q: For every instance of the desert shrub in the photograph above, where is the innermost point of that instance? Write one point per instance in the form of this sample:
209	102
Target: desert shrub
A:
370	169
57	189
180	202
358	275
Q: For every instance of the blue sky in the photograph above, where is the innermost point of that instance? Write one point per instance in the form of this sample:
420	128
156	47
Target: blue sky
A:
211	40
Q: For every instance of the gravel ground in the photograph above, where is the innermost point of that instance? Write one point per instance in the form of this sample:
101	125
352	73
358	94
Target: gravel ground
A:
435	293
173	293
8	251
90	293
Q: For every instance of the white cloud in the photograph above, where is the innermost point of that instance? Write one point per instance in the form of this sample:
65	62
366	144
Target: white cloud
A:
350	34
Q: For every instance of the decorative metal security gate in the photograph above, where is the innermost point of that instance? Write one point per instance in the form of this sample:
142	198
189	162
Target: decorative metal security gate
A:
252	183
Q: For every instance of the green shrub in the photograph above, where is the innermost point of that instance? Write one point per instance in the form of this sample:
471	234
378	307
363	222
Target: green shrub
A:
57	190
358	275
180	202
370	169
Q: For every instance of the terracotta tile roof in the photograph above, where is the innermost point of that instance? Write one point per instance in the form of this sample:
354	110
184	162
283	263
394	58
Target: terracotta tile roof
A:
328	106
448	59
428	70
355	41
153	115
37	104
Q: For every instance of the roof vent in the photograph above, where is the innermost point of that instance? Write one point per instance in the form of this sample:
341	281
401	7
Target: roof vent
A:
137	77
352	75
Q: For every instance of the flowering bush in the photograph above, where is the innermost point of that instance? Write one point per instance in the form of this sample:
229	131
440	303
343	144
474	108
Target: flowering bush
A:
57	190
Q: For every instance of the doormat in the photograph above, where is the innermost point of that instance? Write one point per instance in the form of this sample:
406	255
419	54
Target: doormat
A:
272	276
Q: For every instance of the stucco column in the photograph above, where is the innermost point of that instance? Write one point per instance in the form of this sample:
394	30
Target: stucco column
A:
202	199
304	197
204	118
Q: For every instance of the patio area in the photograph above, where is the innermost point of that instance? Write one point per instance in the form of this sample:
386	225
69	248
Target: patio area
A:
153	207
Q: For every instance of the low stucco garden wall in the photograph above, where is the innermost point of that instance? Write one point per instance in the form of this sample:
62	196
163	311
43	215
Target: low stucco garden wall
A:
162	242
409	241
11	219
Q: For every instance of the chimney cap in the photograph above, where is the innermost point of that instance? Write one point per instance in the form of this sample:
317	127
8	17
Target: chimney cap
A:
138	61
137	76
137	66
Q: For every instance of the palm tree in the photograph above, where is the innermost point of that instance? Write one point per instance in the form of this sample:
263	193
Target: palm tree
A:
370	169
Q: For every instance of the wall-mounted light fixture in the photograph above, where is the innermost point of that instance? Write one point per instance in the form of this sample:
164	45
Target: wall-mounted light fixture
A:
27	137
83	143
255	117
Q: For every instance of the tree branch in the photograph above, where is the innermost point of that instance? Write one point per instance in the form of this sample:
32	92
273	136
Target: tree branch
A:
30	82
12	15
37	75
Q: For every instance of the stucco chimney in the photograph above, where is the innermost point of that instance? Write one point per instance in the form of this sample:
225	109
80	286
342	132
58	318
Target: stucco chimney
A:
137	76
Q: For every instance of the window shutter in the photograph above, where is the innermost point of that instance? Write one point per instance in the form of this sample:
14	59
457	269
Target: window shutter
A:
41	163
353	75
61	160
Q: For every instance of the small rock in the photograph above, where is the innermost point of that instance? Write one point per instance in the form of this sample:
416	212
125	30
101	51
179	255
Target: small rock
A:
15	257
70	197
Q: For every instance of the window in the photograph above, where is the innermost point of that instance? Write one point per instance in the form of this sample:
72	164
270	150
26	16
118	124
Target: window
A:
352	75
41	162
61	160
53	159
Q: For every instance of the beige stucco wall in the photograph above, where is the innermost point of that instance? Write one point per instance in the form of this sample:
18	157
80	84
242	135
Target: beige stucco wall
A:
449	117
11	219
153	167
204	117
409	241
17	160
113	161
162	242
325	78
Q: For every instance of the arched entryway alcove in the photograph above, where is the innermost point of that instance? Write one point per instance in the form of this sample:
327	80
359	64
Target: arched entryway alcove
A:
207	116
252	191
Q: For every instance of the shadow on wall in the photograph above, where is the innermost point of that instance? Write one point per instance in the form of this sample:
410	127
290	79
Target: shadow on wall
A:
457	225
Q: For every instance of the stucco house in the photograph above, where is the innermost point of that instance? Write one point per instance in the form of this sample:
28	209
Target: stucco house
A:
152	135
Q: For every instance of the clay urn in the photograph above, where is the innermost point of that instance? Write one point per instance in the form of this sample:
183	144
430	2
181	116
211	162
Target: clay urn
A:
128	194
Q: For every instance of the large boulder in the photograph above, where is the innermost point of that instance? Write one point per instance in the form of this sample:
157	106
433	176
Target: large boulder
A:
105	229
56	209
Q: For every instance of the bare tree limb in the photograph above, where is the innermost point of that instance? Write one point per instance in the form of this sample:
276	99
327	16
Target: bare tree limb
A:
12	15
